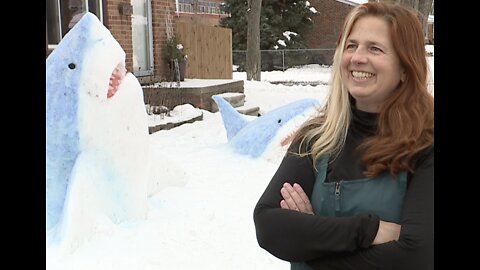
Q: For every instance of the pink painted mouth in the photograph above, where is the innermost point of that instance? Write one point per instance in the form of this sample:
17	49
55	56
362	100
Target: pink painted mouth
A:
118	74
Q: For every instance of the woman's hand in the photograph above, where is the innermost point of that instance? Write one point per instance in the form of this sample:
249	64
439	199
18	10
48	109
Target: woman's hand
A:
387	231
294	198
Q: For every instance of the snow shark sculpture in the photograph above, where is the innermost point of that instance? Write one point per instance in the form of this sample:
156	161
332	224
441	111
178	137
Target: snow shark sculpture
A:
253	137
97	140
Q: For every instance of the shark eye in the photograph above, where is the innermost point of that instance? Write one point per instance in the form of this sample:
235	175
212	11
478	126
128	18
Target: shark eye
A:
279	121
71	66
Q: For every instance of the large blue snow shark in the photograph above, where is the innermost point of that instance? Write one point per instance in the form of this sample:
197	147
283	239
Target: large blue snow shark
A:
96	139
252	137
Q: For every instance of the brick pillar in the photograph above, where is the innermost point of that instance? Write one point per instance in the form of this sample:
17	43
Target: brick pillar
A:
121	28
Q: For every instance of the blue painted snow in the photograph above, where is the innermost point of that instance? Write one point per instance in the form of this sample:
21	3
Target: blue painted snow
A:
253	137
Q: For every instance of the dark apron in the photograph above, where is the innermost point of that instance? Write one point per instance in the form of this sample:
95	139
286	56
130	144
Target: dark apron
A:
382	196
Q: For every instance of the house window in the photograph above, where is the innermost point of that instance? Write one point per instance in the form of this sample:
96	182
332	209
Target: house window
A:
197	6
61	16
185	6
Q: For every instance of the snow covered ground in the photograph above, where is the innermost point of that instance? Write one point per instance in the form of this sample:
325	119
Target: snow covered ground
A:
200	212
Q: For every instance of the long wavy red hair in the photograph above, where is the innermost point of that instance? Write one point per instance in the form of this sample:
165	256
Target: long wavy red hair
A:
406	119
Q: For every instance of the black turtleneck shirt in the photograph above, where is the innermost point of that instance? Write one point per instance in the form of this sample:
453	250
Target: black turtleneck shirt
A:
345	242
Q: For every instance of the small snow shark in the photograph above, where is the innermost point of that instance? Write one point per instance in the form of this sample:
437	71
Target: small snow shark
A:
252	137
97	139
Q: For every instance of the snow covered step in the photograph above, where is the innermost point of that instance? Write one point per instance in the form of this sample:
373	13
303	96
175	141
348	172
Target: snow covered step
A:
235	99
248	110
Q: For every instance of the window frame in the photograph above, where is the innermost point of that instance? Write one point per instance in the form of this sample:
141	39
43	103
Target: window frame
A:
55	16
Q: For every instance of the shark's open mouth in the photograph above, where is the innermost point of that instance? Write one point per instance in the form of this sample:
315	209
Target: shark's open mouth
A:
118	74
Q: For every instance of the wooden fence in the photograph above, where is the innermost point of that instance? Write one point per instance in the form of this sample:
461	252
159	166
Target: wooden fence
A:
209	50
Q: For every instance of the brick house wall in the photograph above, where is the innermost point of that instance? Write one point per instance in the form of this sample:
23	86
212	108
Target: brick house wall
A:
328	24
121	28
159	30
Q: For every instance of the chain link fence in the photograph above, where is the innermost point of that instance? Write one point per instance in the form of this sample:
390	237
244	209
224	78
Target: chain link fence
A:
284	59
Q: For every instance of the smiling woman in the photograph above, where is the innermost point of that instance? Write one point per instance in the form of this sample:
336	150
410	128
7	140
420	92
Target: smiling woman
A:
355	189
371	69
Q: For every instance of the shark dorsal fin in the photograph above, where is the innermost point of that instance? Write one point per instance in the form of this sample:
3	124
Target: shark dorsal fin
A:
232	120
